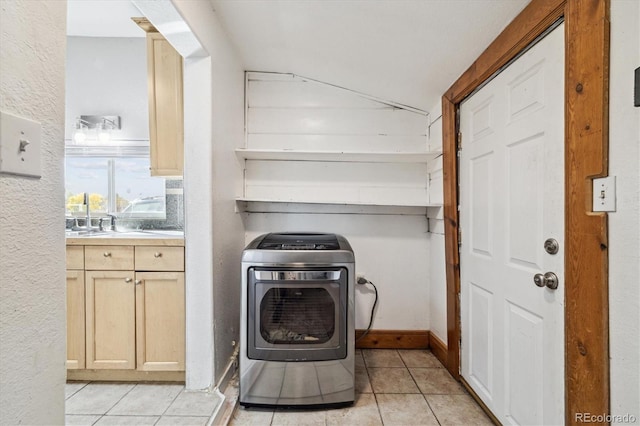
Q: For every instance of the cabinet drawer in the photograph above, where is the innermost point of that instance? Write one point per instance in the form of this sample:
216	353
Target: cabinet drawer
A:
159	258
75	257
108	257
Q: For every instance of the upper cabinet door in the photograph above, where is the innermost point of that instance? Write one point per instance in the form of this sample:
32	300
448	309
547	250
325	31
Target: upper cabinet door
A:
166	110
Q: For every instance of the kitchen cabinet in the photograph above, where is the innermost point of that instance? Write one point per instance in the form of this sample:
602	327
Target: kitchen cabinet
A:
75	308
166	105
132	301
111	258
160	321
110	324
166	110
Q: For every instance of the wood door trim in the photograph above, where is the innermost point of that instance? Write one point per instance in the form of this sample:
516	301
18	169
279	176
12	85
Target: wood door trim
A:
586	236
586	154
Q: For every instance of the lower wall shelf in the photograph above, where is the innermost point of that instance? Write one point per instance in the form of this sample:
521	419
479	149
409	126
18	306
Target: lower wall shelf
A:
252	205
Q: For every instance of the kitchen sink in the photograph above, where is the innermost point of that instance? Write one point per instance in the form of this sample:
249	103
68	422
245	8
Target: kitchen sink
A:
141	233
85	232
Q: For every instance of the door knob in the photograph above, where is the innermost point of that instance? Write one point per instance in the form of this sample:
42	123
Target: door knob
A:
549	280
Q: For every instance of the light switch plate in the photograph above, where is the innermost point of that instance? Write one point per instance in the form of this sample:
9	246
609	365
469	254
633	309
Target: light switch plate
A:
20	145
604	194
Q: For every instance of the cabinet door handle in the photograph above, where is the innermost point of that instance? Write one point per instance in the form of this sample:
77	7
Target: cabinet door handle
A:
138	282
157	254
107	254
127	280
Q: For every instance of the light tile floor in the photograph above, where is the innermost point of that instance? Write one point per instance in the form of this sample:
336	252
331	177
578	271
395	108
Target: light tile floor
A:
136	404
393	387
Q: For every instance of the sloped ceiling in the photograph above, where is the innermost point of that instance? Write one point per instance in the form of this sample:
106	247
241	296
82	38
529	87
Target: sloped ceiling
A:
406	51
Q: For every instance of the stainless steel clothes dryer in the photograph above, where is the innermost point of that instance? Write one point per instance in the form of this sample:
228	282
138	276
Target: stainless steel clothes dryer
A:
297	326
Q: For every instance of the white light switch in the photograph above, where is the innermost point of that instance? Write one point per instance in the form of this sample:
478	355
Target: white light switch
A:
604	194
20	144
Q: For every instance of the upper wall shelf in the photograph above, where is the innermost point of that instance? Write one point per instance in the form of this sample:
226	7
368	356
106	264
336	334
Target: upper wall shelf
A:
257	205
344	156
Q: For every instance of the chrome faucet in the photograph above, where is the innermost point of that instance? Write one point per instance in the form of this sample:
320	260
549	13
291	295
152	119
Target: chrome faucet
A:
88	217
112	220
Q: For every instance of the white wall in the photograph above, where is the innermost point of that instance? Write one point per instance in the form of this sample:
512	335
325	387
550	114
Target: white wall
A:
624	224
391	249
32	253
212	179
437	273
108	76
198	200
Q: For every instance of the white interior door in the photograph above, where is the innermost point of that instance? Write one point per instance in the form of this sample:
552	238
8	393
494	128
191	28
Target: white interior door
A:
511	201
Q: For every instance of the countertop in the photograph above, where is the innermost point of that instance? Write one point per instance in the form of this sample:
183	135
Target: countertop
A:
138	238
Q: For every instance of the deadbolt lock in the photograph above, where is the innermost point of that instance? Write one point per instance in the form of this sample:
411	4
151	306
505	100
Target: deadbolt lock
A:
551	246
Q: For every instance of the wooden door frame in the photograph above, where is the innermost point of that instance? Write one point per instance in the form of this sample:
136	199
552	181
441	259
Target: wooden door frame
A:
586	155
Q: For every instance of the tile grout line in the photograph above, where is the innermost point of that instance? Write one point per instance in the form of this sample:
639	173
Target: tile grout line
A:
116	403
78	390
273	414
435	416
421	393
375	398
173	400
375	395
430	408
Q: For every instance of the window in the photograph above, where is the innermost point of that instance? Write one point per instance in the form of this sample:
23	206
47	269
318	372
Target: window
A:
117	181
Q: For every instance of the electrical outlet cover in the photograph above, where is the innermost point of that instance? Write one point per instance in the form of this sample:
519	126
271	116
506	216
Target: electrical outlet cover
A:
20	145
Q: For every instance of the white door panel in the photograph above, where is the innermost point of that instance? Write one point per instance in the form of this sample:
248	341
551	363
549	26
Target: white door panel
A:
481	339
481	204
511	201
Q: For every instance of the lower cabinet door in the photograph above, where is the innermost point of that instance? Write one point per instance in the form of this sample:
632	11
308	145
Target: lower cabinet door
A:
75	320
110	319
160	321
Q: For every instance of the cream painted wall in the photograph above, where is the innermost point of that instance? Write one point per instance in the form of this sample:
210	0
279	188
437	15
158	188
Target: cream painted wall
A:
624	224
32	254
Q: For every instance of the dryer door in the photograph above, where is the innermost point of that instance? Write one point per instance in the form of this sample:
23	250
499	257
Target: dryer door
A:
297	315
